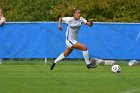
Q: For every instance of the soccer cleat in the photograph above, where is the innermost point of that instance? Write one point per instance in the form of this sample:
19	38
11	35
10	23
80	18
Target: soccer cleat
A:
91	66
93	61
52	65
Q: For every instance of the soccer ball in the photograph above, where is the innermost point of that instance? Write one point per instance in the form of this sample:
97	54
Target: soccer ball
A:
116	69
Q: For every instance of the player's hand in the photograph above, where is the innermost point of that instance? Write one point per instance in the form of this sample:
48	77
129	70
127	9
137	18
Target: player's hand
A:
60	28
91	22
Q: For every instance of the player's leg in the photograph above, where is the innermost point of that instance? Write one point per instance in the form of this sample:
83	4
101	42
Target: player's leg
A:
61	56
82	47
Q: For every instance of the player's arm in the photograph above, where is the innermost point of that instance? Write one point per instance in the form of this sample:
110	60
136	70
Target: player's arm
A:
59	23
90	22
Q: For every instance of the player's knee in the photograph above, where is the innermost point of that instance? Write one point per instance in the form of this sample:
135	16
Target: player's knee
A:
85	49
66	54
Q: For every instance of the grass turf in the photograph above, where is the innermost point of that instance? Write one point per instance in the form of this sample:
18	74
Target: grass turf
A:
71	77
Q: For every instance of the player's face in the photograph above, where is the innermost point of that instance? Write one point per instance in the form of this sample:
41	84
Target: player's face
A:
77	14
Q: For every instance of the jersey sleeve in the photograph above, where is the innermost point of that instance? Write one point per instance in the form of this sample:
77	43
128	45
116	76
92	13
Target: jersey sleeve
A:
3	19
83	20
66	19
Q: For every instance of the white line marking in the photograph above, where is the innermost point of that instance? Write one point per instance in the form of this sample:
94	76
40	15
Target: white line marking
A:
131	91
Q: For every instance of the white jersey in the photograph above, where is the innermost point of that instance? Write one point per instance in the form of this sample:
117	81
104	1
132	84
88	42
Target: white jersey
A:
2	19
73	27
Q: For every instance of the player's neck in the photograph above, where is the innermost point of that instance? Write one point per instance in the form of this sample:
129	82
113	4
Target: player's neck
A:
75	18
1	16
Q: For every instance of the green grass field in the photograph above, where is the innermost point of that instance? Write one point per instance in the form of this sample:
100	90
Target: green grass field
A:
70	77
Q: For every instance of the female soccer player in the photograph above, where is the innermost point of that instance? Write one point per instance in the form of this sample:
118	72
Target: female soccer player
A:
73	25
2	20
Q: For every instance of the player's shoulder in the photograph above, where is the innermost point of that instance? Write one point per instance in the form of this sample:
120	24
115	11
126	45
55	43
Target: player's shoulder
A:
68	18
82	18
3	18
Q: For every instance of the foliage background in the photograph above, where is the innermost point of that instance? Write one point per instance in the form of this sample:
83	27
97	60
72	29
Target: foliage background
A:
51	10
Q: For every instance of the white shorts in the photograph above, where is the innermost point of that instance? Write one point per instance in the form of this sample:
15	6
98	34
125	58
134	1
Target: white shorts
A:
70	43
